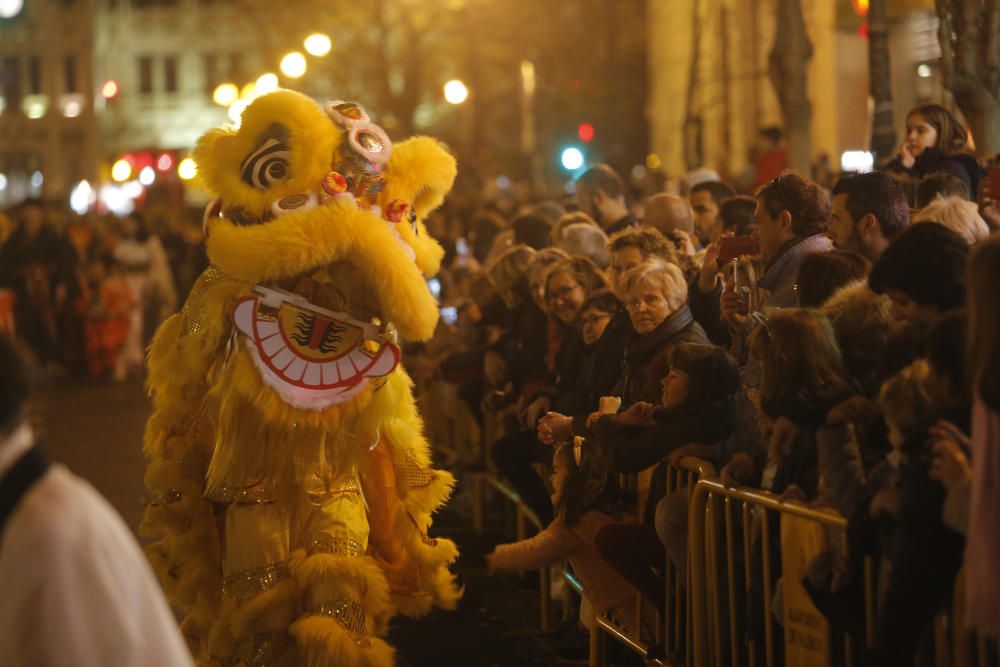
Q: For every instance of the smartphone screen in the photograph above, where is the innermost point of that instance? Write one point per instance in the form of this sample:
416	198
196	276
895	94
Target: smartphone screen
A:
732	247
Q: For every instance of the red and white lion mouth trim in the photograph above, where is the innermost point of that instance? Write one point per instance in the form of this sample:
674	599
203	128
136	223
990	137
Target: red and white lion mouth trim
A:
309	356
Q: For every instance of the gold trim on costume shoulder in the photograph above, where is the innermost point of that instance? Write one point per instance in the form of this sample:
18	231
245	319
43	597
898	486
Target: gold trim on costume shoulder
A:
194	311
409	473
349	614
248	583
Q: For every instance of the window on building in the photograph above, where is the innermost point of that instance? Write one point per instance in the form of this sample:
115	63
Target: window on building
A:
10	81
69	74
145	75
170	74
35	75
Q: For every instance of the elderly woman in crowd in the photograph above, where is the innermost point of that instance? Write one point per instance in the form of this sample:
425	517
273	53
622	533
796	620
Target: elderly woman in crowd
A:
656	298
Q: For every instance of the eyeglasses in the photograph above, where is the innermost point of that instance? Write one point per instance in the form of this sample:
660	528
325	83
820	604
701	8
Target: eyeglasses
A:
650	301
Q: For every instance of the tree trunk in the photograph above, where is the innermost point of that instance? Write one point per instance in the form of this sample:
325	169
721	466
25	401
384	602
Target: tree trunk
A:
969	34
788	67
880	74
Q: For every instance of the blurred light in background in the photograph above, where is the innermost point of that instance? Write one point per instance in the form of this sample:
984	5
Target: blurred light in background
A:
187	169
10	8
503	182
857	161
653	161
164	162
121	170
35	106
3	181
147	176
266	83
109	89
293	64
585	131
571	158
924	71
317	44
71	108
225	94
116	200
248	92
455	92
37	179
81	197
236	111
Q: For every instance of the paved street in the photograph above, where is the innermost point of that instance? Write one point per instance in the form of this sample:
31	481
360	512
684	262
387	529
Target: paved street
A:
96	429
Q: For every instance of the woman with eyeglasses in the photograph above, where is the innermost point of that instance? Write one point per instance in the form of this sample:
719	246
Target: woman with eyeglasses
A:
567	284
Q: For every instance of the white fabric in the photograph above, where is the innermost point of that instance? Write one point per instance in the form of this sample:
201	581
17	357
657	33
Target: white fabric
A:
75	588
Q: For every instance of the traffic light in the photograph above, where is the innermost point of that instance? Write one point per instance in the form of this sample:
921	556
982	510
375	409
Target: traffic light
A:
571	158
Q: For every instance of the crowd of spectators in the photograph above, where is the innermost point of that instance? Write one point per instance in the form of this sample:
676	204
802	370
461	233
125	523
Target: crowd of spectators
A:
846	356
833	343
86	293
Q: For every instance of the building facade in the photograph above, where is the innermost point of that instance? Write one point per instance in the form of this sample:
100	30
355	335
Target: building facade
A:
709	97
48	128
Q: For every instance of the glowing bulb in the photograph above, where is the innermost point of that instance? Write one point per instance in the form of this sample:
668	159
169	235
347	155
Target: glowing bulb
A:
10	8
293	65
81	197
121	170
109	89
187	169
923	71
455	92
147	176
266	83
225	94
318	45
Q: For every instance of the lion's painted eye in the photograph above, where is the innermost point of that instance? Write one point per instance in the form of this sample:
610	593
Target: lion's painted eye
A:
267	165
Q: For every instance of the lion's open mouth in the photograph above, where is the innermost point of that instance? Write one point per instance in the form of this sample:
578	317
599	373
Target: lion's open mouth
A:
317	338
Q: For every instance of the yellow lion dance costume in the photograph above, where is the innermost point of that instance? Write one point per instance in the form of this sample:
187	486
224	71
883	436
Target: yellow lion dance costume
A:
292	480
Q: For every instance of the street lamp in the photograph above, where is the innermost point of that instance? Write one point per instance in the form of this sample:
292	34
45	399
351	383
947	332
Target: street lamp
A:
293	65
455	92
225	94
318	44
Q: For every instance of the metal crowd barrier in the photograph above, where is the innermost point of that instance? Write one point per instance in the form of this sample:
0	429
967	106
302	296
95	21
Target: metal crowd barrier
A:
715	512
524	516
673	630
